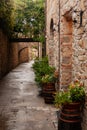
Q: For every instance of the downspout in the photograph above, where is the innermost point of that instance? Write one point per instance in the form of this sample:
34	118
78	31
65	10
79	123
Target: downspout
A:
45	8
59	46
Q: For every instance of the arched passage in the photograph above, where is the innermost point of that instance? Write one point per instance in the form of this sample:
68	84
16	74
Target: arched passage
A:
23	55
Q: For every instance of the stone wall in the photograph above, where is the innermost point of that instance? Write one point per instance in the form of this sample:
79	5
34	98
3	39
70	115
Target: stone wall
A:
66	38
66	42
52	32
80	48
69	41
75	11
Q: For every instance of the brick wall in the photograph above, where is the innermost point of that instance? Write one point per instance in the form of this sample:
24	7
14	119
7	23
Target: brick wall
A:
23	52
9	54
23	55
4	52
66	30
13	56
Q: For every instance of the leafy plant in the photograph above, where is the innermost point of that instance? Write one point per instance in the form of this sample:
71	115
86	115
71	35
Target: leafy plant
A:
62	98
30	18
48	78
43	70
74	93
77	91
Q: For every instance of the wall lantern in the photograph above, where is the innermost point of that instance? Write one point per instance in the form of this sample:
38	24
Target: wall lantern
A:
81	14
75	17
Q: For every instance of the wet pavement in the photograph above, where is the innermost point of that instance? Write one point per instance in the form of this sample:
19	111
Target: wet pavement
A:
21	108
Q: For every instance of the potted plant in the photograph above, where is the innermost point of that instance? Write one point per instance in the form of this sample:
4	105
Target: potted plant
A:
48	81
42	68
75	93
71	103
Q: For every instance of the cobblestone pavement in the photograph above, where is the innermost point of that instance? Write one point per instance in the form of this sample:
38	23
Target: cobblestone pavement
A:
20	106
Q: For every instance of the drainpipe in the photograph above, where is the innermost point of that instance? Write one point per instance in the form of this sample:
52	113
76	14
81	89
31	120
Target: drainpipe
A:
45	13
59	44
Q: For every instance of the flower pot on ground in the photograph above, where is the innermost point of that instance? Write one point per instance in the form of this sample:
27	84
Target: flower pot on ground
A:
48	91
71	104
70	117
49	87
42	68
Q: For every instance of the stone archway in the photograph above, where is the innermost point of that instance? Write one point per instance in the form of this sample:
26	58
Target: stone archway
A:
23	55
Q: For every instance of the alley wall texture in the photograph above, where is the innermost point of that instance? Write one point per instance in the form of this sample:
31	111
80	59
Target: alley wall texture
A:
14	53
3	54
66	41
10	54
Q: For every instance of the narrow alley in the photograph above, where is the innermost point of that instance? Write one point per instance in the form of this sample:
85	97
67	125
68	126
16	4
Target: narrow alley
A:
21	108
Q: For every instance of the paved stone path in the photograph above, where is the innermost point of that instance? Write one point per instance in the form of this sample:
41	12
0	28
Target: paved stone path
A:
20	106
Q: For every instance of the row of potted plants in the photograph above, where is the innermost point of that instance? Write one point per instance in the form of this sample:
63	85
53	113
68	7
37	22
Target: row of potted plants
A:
45	74
45	78
70	101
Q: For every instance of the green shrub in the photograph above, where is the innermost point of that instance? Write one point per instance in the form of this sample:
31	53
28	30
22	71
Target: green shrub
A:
74	93
48	78
42	68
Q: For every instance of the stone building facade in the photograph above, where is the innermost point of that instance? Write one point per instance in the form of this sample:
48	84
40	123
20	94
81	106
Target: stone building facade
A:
66	41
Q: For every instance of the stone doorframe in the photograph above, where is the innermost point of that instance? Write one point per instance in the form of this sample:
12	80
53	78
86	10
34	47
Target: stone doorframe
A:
65	49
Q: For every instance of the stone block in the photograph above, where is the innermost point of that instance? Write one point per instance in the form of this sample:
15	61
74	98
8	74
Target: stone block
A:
82	58
81	43
66	60
80	31
85	43
85	83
